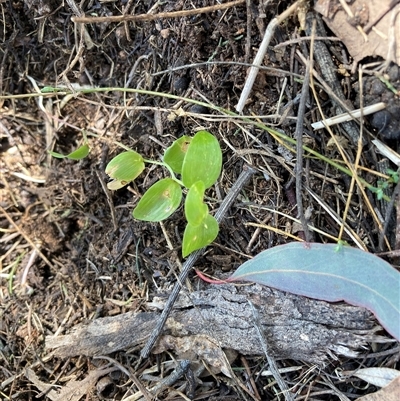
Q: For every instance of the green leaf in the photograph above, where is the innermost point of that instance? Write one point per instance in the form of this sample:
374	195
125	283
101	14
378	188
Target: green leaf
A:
49	89
195	210
203	160
196	237
77	154
124	168
116	184
175	154
340	244
394	175
159	201
324	272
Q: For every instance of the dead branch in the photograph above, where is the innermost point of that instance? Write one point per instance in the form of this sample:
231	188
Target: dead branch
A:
295	327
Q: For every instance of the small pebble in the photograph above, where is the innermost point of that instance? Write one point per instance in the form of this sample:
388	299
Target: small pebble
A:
197	108
394	73
377	88
181	84
381	120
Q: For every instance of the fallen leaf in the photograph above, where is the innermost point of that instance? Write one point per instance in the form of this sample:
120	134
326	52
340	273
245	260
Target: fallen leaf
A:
73	390
389	393
197	347
379	377
365	11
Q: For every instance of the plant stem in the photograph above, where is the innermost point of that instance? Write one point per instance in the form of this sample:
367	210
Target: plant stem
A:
167	167
248	120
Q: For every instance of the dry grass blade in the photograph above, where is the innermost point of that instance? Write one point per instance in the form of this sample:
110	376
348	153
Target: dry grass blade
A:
27	238
152	17
351	167
357	240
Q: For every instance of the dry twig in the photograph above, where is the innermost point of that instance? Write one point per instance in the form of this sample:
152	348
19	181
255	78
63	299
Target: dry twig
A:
261	53
152	17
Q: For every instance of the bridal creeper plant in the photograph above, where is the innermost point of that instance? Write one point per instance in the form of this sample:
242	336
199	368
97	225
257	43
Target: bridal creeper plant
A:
198	161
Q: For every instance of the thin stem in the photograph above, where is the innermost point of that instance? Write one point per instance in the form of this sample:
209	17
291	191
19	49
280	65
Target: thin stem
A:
248	120
167	167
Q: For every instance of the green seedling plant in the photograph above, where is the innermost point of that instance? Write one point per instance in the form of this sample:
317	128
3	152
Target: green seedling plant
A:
382	185
77	154
198	162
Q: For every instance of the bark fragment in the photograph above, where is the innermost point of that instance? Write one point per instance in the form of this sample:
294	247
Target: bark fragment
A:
295	327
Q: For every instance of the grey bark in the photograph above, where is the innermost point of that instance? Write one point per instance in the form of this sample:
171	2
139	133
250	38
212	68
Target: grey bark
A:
294	326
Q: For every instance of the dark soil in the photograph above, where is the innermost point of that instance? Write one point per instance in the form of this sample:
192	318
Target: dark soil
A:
64	258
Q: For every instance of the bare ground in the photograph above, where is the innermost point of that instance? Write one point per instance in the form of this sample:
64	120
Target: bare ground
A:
71	251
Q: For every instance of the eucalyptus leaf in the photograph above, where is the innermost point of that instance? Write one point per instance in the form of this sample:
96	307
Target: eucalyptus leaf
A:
379	377
175	154
159	201
124	168
195	209
196	237
203	160
77	154
326	272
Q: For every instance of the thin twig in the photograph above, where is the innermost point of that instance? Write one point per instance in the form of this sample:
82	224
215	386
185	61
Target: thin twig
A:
248	31
388	214
353	115
299	152
271	362
261	53
109	200
146	394
377	18
191	260
152	17
177	373
272	70
26	237
327	67
357	160
305	38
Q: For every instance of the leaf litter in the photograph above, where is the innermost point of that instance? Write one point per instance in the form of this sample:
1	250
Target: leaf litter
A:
67	215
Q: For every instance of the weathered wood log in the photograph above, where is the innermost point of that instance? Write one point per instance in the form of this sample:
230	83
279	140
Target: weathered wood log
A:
295	327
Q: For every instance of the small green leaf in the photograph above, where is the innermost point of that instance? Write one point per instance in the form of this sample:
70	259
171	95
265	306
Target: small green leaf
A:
175	154
124	168
50	89
56	154
203	160
340	244
394	175
77	154
116	184
159	201
195	209
197	237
